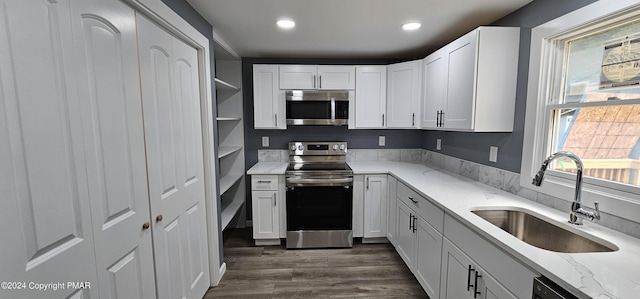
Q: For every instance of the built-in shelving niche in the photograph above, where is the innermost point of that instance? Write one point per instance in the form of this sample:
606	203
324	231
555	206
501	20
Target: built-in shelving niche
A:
228	80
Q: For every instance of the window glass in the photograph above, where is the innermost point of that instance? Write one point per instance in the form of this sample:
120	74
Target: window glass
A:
609	60
597	116
605	138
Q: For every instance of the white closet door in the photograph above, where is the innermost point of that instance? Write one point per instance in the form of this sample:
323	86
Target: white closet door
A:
171	105
45	221
114	143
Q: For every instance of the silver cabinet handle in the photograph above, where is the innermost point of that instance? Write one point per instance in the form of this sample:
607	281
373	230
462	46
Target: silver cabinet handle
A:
274	198
367	183
314	81
413	119
383	119
320	81
275	116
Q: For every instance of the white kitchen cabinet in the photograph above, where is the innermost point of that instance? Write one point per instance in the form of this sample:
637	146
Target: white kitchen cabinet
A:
392	184
369	107
329	77
268	100
266	199
495	263
419	237
470	84
403	94
375	206
463	278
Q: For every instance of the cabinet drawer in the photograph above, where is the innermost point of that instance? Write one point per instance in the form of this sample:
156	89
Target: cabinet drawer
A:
422	206
264	182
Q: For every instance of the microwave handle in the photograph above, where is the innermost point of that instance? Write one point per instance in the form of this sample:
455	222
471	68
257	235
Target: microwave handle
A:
333	109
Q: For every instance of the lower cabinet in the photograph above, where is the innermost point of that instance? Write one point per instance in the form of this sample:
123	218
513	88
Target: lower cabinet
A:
392	184
418	237
266	199
462	278
419	245
375	204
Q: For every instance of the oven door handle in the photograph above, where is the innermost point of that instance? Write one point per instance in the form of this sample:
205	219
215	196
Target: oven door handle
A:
319	182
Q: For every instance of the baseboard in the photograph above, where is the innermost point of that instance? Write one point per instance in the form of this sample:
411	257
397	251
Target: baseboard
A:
221	271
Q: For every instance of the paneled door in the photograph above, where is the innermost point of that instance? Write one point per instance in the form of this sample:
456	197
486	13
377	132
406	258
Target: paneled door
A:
106	45
171	105
45	219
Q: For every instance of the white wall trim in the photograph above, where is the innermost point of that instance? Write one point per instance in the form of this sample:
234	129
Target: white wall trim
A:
171	21
618	203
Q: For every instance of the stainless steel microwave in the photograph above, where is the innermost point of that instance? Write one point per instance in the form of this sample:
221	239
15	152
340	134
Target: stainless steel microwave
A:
317	107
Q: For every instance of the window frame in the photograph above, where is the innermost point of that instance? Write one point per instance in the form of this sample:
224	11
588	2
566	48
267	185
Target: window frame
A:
545	83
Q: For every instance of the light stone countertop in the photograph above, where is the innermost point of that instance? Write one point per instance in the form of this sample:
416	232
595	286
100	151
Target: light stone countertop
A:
268	168
597	275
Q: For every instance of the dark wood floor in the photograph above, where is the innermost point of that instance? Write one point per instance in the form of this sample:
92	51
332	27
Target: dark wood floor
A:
364	271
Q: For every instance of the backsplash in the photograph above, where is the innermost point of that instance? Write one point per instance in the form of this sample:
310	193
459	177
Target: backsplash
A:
494	177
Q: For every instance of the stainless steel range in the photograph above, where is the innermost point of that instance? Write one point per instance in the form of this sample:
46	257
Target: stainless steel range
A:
319	195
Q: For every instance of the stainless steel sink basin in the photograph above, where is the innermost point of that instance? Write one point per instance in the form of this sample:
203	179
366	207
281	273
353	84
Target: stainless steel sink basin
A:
540	233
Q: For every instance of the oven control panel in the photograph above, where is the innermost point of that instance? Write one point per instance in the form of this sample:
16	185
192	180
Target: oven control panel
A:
317	148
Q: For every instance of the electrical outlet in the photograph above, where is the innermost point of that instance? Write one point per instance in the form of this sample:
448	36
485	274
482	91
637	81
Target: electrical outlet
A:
438	144
265	141
493	154
381	141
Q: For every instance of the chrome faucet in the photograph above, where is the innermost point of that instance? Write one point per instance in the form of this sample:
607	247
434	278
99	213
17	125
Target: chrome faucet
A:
577	211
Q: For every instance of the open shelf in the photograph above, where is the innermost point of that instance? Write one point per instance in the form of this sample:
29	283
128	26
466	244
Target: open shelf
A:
230	211
228	180
224	86
224	151
228	118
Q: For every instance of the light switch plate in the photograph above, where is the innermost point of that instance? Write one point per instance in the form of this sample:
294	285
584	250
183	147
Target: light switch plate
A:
265	141
381	140
438	144
493	154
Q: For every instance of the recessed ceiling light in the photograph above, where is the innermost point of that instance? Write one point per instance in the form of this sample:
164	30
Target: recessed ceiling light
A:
286	24
411	26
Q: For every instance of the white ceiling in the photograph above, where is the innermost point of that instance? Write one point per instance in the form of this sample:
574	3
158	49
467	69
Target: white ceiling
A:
347	28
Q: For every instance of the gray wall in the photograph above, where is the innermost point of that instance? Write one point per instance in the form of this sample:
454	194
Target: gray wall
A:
475	146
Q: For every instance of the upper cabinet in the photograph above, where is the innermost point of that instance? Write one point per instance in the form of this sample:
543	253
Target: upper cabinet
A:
317	77
470	84
368	109
403	94
268	103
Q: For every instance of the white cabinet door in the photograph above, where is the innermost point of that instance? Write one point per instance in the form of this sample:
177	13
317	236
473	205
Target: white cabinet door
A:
434	97
391	209
405	237
370	100
45	217
298	77
317	77
375	204
456	278
403	94
461	277
336	77
428	257
171	102
461	56
268	103
114	146
264	207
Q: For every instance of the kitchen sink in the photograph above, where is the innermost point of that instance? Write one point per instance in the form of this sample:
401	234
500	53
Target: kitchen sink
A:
540	233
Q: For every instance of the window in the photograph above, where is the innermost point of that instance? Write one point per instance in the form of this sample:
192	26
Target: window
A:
584	97
594	112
